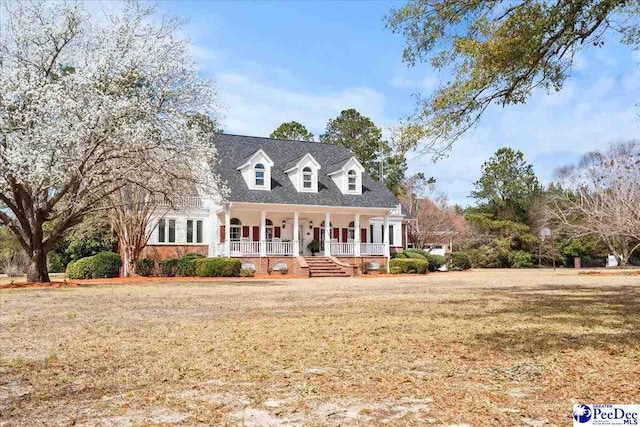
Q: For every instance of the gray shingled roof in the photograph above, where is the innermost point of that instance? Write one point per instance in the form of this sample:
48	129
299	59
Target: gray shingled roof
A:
233	150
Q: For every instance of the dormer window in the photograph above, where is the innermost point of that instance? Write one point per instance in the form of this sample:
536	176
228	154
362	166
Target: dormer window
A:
303	173
259	171
256	171
353	180
347	175
307	178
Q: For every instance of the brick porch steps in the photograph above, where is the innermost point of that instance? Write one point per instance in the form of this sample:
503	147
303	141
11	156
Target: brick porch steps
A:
324	267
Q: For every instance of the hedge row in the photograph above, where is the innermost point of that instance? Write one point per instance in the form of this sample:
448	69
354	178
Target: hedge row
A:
218	267
435	261
193	265
408	265
104	264
145	266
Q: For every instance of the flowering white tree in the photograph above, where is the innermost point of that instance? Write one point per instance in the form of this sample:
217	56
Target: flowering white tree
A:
90	103
601	198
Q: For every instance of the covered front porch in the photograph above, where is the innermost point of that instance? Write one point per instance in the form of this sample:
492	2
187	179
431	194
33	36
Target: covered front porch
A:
254	230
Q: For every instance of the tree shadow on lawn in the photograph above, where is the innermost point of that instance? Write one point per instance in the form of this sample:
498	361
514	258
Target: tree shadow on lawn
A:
555	318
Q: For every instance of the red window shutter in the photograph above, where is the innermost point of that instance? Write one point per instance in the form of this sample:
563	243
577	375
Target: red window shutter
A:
363	235
345	234
256	234
336	232
276	232
222	234
245	231
316	233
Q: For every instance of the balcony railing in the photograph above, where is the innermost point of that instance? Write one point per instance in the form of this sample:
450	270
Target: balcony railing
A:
179	201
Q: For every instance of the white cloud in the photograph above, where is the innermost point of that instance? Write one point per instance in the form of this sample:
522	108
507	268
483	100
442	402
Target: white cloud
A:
256	107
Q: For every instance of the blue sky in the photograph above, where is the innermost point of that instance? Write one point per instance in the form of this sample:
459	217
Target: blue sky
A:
306	61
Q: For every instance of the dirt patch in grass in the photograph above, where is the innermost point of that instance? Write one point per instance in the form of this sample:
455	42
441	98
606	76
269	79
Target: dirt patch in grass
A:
480	348
53	284
612	273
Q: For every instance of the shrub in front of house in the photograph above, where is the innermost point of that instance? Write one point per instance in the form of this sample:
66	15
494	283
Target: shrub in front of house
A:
460	261
218	267
409	265
79	269
421	252
398	255
436	261
187	265
395	270
104	264
414	255
247	272
169	267
365	267
145	266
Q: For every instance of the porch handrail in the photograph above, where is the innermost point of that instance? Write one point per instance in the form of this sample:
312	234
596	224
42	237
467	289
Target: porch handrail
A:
342	248
244	247
279	248
372	248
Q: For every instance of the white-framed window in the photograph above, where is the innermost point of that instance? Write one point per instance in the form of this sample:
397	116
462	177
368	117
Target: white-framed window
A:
236	229
194	231
167	231
307	178
351	235
259	172
162	231
391	235
352	180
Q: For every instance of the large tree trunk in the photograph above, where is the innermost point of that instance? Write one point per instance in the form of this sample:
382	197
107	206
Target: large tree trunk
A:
37	271
129	257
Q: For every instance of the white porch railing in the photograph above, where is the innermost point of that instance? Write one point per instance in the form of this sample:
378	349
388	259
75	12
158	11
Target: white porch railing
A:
246	248
250	249
371	249
342	248
280	248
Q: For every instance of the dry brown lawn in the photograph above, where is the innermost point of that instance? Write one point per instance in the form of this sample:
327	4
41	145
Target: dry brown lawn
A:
493	347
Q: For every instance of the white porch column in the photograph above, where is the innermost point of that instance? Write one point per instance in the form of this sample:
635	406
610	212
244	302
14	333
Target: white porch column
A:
356	235
327	234
227	231
386	236
212	237
296	234
263	233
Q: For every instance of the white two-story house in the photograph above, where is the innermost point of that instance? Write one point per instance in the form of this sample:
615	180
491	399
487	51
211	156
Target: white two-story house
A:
282	196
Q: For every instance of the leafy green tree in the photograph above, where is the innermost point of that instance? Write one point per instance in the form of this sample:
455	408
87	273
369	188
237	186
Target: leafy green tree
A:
508	186
292	130
498	52
359	134
497	243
